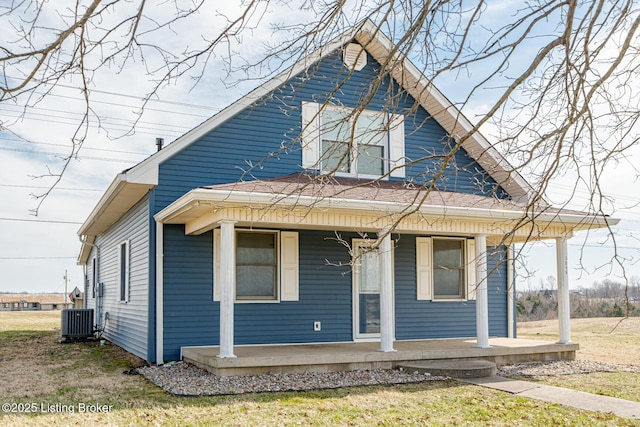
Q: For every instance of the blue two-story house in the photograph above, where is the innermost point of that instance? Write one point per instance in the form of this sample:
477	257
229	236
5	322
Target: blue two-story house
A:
344	200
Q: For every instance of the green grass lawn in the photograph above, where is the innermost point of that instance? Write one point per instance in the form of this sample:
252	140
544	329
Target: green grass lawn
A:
37	370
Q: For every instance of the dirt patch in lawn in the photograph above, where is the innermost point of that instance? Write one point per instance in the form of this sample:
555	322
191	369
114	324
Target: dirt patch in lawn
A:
33	363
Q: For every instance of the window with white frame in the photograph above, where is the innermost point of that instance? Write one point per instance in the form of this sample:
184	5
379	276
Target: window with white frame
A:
445	268
368	131
344	141
256	265
267	265
448	268
123	271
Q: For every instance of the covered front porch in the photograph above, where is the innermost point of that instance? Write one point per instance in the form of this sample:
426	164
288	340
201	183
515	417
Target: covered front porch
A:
329	357
373	209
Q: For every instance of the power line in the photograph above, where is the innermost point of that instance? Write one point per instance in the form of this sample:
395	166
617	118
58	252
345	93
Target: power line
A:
66	115
46	187
64	156
41	220
67	146
113	125
117	104
183	104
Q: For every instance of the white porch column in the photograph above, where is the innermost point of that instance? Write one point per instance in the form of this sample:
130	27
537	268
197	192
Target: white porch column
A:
227	281
482	300
564	307
511	284
387	333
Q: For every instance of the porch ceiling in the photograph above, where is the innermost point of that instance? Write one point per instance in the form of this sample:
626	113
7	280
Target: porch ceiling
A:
345	204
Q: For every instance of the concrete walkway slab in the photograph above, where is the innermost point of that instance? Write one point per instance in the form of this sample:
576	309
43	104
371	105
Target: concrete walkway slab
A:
563	396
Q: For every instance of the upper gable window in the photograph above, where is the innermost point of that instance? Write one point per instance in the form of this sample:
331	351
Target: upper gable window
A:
377	149
366	156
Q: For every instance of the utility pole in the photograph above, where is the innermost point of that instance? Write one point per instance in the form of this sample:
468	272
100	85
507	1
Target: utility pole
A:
64	299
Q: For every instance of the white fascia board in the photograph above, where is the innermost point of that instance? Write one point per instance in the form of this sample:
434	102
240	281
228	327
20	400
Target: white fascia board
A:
105	200
85	250
245	199
121	196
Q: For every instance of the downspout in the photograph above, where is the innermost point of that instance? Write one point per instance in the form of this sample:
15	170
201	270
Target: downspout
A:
159	295
84	268
511	326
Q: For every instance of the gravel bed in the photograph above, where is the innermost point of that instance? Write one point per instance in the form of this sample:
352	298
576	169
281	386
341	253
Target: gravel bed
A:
562	367
183	379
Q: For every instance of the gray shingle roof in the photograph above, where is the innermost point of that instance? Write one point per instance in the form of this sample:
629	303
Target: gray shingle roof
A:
323	187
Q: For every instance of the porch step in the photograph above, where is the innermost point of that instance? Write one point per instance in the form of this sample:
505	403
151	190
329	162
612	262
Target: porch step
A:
453	368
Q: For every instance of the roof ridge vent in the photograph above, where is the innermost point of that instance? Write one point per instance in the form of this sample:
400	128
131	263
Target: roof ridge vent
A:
354	56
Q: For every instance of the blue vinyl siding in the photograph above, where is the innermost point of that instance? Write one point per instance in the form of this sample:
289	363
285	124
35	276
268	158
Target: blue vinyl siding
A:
497	291
444	319
264	135
325	296
191	317
425	319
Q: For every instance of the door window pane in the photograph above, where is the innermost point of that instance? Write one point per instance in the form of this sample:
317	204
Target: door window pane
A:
368	266
369	320
369	273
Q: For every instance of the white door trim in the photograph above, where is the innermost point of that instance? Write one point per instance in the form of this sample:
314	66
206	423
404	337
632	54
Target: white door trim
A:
356	245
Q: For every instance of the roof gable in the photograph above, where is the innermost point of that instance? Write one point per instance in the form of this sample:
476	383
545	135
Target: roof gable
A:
145	175
404	72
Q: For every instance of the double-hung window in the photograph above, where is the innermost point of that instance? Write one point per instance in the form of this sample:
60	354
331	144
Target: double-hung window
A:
353	143
448	269
445	268
266	265
256	266
348	142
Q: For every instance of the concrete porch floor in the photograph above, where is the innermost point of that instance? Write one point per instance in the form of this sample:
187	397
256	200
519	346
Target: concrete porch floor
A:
267	359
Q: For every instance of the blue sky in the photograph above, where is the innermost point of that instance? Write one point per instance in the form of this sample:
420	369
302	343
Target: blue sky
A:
36	251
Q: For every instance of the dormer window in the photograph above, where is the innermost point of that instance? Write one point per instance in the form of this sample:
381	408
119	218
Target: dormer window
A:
342	141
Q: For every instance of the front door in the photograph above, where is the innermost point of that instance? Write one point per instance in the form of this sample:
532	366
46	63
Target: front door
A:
366	291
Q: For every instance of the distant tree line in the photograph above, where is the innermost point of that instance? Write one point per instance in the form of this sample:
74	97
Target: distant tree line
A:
602	299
